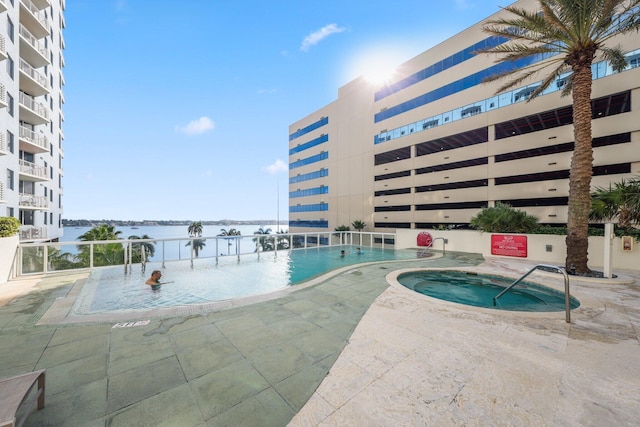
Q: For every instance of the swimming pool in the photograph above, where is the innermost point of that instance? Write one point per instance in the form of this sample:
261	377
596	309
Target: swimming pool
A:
110	290
479	290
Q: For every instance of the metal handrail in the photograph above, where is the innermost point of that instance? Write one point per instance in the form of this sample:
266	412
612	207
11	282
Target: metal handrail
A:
567	297
444	243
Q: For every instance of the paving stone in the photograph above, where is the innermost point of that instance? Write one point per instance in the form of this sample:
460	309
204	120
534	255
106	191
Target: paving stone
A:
199	360
262	410
279	361
175	407
77	406
125	358
220	390
132	386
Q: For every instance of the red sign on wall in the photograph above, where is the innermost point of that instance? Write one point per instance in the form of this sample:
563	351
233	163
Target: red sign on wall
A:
509	245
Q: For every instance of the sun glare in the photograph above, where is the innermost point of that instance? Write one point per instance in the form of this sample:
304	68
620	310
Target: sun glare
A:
377	65
379	74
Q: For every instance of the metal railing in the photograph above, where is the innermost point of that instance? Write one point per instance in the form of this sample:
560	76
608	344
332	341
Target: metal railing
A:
29	102
30	232
32	201
49	257
33	41
34	138
36	76
30	168
567	296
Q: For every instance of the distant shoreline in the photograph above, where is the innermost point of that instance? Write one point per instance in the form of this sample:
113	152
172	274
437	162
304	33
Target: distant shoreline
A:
149	223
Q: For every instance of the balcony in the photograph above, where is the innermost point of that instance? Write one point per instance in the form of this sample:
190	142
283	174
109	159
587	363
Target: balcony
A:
4	147
32	81
32	111
3	5
3	192
41	4
3	97
33	202
33	142
32	50
31	172
30	232
3	47
34	19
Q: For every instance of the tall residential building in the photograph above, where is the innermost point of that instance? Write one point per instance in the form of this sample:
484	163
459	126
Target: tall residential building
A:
437	145
31	117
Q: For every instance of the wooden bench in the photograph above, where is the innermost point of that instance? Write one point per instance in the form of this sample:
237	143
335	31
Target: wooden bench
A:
15	391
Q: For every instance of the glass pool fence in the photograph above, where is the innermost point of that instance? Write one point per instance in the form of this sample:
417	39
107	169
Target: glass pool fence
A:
52	257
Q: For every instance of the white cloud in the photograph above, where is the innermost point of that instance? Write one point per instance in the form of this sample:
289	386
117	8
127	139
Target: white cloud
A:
265	91
196	127
278	166
317	36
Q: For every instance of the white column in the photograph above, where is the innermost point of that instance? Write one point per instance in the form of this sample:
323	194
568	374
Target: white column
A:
608	240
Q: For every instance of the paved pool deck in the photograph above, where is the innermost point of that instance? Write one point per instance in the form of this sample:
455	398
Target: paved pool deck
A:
355	349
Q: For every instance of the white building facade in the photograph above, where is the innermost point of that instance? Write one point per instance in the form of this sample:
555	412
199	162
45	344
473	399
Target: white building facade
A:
437	145
31	115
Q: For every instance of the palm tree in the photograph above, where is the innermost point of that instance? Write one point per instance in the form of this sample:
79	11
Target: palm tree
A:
283	241
620	201
230	232
59	260
198	245
195	229
358	225
149	248
567	35
104	254
260	241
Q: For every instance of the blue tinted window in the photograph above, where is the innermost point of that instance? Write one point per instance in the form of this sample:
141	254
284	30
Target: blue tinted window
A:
455	59
600	70
323	189
309	176
319	140
313	126
316	207
310	224
309	160
450	89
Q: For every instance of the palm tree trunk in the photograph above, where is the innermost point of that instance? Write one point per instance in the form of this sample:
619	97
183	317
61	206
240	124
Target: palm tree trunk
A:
580	174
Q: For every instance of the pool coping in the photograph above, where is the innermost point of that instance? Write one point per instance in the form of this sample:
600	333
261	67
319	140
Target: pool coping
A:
589	306
61	310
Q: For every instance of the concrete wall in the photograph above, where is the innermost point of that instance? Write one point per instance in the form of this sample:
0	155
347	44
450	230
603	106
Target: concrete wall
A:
479	242
8	246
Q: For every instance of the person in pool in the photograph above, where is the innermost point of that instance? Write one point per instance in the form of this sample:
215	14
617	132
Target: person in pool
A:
358	251
154	280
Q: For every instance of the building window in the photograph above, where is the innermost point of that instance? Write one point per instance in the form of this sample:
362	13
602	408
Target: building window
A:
10	28
10	184
10	141
10	66
10	104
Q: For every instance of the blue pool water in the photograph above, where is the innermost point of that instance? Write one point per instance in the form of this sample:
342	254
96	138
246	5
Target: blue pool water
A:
109	289
479	290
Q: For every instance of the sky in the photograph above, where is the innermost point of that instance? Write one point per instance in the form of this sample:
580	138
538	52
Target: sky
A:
182	113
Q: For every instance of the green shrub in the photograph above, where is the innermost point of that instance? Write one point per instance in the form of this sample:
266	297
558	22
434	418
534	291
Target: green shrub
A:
504	219
9	226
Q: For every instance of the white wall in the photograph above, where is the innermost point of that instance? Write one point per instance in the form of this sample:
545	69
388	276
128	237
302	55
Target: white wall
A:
480	242
8	246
